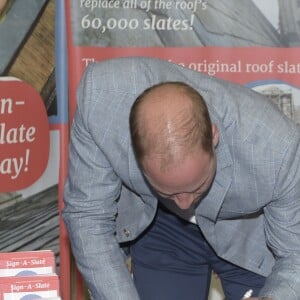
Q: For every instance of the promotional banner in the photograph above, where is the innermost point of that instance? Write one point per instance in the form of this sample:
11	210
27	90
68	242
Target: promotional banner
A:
252	43
30	131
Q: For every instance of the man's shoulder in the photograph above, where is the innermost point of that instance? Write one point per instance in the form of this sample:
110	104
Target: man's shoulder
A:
135	74
122	76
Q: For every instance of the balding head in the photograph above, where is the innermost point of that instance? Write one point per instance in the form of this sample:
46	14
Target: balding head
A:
169	121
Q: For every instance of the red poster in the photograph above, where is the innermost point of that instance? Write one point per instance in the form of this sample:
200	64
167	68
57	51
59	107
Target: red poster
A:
252	43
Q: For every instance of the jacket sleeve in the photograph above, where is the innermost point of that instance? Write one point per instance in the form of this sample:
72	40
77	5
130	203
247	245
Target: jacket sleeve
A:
282	226
91	191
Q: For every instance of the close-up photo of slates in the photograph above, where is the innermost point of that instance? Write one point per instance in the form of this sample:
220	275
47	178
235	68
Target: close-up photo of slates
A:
27	45
29	223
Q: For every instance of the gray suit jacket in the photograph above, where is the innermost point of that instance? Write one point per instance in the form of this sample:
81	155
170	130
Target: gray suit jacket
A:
251	215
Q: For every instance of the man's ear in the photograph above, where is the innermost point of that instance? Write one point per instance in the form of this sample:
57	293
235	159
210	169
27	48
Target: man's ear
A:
215	133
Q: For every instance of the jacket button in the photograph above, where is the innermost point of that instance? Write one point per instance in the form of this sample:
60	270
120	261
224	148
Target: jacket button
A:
126	232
